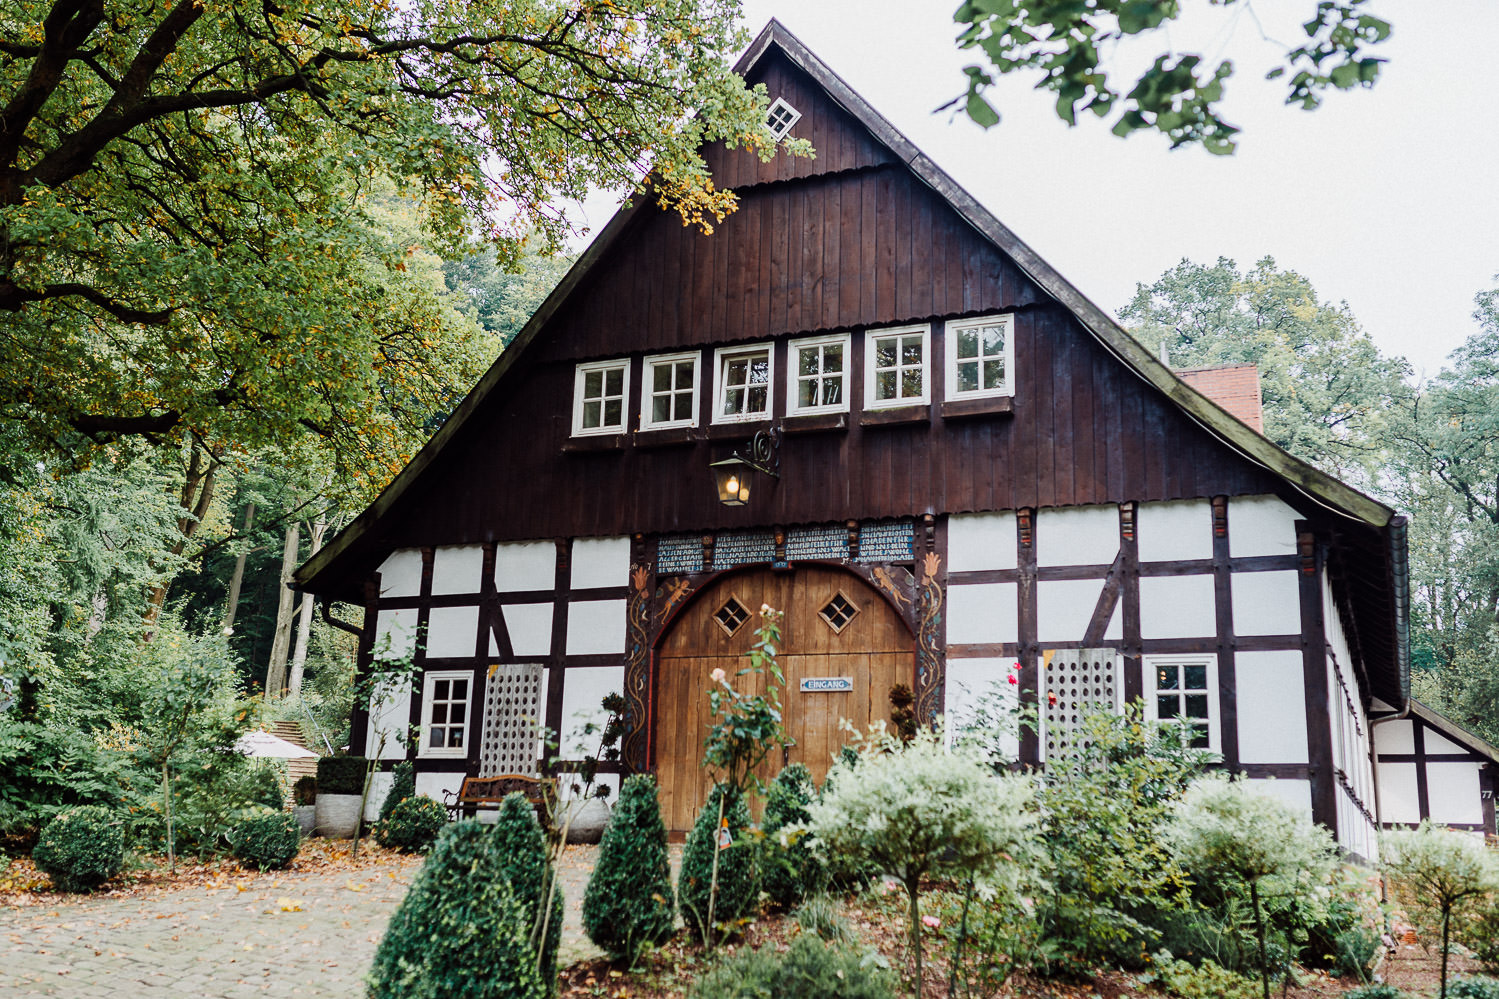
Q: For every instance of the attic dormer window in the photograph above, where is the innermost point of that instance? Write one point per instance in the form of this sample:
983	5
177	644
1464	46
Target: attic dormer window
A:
780	118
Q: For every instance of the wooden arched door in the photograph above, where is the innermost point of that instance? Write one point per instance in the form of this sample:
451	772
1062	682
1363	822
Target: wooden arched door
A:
835	626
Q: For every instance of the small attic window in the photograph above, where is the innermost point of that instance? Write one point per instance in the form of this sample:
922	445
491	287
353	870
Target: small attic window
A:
780	118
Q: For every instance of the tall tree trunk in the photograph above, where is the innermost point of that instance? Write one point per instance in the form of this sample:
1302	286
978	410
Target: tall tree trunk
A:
275	674
304	622
237	580
193	499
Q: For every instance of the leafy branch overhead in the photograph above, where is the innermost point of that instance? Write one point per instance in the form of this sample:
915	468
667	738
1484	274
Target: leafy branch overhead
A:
1179	95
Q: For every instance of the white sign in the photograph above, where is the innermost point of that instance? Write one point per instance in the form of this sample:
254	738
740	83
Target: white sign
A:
827	684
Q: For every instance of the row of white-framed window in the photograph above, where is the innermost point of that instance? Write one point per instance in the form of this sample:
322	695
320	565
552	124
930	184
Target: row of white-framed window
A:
980	363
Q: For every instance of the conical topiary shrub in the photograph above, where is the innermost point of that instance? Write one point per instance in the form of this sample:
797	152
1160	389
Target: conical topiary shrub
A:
791	873
738	885
461	930
627	906
402	786
530	874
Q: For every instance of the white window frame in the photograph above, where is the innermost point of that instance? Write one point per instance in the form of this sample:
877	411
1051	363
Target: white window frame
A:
647	390
794	376
721	357
785	127
870	402
429	681
1008	355
579	380
1210	660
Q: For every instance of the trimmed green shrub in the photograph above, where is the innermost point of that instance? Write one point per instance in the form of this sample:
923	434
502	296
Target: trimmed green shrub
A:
790	872
523	846
1474	988
628	904
266	789
341	774
304	791
460	930
738	886
80	849
1379	991
809	969
402	786
266	840
413	824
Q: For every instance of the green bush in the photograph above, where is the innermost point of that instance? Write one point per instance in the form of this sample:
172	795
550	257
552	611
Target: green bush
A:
520	841
47	769
460	930
628	904
1480	932
1208	981
402	786
810	969
1473	988
266	840
413	824
738	886
304	791
1379	991
266	789
819	915
790	872
80	849
341	774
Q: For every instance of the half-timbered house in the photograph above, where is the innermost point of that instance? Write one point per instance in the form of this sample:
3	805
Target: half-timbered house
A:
953	468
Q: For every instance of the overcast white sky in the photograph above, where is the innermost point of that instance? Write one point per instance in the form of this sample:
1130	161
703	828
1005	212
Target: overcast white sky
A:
1384	198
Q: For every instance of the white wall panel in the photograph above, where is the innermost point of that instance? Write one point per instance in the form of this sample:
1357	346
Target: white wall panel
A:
582	690
981	541
1064	607
525	565
1266	603
1437	744
530	628
1261	525
380	783
600	562
1397	793
1296	793
1394	737
982	612
390	716
1084	535
452	632
432	785
1452	792
972	681
457	568
1271	707
401	573
1175	532
395	633
595	627
1177	607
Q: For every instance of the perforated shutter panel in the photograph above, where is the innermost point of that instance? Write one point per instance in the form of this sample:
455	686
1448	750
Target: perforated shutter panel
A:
1078	682
512	718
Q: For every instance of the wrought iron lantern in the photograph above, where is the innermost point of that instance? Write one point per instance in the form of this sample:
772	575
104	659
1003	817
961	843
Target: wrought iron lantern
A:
732	475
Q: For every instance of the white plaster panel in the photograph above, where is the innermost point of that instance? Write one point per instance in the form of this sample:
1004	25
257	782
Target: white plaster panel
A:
582	690
1295	793
1084	535
530	628
1064	607
1394	737
395	633
457	568
1261	525
390	717
433	785
1437	744
595	627
983	612
600	562
1397	793
1177	607
1452	792
1175	532
1271	707
401	573
981	541
380	783
972	681
1266	603
525	565
452	632
1115	631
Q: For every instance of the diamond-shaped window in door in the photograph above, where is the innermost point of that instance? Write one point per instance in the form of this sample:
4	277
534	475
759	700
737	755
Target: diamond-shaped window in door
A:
731	615
838	612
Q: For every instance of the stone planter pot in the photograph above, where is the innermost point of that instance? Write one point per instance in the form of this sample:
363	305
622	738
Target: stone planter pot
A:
306	818
336	815
588	820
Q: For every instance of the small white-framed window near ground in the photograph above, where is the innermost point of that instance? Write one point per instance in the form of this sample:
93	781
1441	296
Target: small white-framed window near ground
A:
819	376
1185	688
669	398
895	362
446	697
981	357
742	383
599	394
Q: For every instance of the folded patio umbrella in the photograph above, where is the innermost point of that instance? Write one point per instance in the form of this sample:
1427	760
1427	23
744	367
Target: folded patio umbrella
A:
261	743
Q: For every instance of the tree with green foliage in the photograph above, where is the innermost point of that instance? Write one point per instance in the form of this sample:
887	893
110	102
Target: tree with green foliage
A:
628	903
718	883
1180	94
502	299
519	839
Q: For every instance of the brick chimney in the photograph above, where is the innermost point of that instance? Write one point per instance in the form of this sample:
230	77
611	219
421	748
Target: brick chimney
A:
1235	387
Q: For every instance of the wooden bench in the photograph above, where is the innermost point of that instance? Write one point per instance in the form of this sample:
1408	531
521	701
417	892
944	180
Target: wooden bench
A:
488	792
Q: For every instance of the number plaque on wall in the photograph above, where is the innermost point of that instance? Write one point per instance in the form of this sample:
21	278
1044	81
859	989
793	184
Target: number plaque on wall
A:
826	684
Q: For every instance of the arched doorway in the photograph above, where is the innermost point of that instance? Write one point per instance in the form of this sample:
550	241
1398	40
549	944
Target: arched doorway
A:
835	626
